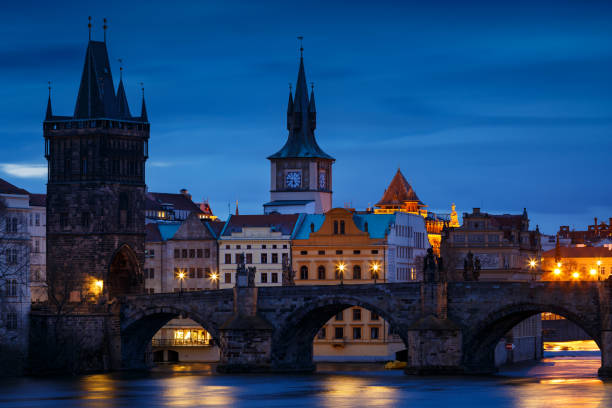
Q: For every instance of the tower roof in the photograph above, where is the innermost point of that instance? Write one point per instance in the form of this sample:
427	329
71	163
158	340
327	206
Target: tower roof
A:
398	192
96	96
301	123
123	109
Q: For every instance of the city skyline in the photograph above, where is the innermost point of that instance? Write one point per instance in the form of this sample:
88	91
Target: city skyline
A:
535	111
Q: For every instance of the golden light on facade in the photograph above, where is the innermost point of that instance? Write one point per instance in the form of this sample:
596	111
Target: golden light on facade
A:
557	271
599	262
558	264
99	284
593	272
575	275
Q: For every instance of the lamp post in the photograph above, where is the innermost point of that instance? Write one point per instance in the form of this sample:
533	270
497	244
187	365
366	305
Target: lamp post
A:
215	278
181	276
341	267
375	269
532	265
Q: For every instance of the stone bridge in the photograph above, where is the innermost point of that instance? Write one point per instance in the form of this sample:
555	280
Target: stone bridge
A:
447	327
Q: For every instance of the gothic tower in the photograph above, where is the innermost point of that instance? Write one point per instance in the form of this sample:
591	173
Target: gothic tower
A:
301	172
96	189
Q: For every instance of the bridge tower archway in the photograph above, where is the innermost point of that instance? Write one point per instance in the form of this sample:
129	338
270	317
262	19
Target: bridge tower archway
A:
124	274
479	343
292	343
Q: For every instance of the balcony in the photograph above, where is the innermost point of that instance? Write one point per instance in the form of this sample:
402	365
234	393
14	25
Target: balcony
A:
181	343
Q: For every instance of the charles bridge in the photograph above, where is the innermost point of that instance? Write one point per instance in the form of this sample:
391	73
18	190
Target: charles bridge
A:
448	327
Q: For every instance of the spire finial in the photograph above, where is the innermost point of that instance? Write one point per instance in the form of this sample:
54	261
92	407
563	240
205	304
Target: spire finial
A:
142	88
120	68
49	85
104	27
301	38
312	86
89	26
290	87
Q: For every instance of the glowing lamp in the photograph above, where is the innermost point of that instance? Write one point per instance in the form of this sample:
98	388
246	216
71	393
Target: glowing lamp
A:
341	267
99	284
593	272
575	275
557	271
558	264
599	262
214	276
532	263
181	275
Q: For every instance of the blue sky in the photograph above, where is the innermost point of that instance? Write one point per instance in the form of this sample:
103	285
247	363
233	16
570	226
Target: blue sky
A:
499	105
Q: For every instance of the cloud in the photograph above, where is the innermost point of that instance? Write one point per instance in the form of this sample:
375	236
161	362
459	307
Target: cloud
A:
24	170
161	164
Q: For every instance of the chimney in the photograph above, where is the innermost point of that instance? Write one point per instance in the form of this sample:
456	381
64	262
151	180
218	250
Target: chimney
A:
476	210
595	223
185	192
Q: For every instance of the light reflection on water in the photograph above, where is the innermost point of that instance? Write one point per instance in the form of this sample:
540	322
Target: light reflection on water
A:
564	381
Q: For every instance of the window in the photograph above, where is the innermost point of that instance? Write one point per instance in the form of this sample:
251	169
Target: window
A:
374	251
238	258
206	253
274	277
11	289
374	333
199	252
356	252
339	332
177	253
151	273
264	277
37	219
321	252
274	258
227	247
11	321
335	227
11	256
152	253
184	253
273	246
192	273
304	272
248	247
249	258
228	258
63	221
340	316
303	252
339	252
373	316
321	272
263	247
85	220
285	246
356	333
192	253
356	272
285	258
342	227
207	273
264	258
228	278
356	314
36	246
321	334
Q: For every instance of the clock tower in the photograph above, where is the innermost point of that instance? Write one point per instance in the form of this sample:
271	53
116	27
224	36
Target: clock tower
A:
300	172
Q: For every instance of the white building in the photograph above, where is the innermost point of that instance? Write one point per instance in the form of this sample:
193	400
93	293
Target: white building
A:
37	221
15	301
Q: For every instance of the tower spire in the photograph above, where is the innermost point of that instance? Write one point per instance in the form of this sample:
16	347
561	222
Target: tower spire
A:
143	111
289	109
122	103
49	114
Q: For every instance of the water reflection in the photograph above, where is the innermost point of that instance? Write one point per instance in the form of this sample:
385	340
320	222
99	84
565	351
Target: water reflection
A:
348	391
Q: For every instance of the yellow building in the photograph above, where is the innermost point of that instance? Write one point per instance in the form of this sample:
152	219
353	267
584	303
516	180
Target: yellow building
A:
344	247
401	197
579	263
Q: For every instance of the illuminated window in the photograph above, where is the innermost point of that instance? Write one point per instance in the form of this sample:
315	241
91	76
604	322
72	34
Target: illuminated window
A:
304	273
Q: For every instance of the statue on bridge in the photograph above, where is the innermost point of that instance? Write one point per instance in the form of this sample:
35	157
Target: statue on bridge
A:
433	268
288	273
471	268
245	277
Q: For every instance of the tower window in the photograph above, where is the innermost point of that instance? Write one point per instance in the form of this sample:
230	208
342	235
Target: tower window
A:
342	227
85	220
335	227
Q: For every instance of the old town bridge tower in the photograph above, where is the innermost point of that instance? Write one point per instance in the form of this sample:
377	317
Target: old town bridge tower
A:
96	189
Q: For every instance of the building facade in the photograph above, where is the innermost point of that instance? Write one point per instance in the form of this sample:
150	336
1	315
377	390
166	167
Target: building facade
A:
15	301
38	252
577	263
599	230
344	247
301	172
263	242
96	189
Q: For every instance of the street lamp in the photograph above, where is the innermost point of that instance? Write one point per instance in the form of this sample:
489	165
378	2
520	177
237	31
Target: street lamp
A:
341	268
575	275
215	278
375	269
181	276
593	272
532	265
557	272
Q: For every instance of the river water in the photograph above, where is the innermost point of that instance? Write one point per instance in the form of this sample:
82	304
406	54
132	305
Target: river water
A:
566	377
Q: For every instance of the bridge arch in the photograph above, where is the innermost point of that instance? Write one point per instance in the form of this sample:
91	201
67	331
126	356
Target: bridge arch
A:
138	329
292	342
480	339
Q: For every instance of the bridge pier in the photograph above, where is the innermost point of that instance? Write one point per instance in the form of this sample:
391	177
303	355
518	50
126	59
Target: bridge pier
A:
245	340
606	354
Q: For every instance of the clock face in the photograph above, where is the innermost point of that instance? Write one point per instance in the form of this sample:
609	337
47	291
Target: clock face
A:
294	179
322	180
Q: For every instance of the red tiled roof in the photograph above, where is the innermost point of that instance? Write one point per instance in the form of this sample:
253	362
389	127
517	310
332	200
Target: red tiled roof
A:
282	222
178	201
580	252
8	188
38	200
398	192
152	233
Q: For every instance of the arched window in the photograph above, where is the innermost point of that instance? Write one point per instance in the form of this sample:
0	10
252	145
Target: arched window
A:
321	272
335	227
356	272
311	227
304	273
342	227
365	227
